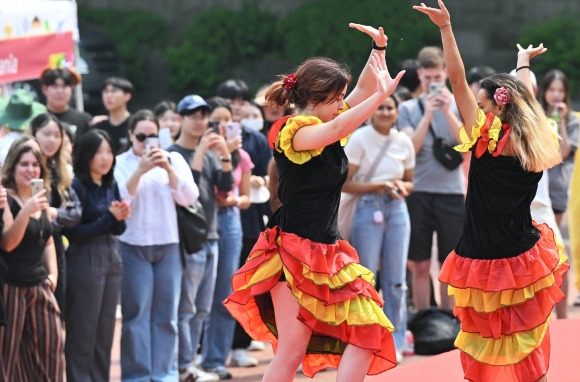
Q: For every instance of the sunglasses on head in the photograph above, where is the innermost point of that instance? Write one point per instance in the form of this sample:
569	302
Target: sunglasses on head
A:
141	137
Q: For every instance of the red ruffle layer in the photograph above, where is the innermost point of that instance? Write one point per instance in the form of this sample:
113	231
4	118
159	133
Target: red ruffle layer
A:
530	369
502	274
511	319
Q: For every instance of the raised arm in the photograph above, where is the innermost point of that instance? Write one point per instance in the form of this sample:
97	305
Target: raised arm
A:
321	135
523	65
366	84
464	98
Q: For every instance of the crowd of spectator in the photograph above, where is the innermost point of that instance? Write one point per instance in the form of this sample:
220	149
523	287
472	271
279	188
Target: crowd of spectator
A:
102	231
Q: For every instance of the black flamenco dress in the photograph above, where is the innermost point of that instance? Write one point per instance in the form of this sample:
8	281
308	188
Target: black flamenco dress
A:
302	246
506	271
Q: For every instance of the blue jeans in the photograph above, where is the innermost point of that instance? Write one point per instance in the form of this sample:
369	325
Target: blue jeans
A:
385	243
149	298
219	328
197	286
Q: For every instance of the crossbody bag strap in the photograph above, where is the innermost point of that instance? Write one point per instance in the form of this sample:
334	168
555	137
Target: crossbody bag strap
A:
431	130
377	160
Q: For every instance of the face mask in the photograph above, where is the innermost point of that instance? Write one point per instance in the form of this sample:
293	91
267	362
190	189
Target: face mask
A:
253	124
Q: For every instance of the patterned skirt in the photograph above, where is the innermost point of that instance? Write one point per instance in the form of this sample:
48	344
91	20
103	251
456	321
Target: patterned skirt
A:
336	296
505	306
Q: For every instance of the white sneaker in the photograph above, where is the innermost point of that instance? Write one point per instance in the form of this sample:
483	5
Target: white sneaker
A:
193	374
241	358
256	346
399	356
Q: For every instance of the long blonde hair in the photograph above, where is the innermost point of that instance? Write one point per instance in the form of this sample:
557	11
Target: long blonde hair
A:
532	140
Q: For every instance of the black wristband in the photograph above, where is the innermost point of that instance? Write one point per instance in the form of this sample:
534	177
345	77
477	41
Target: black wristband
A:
376	47
522	67
226	159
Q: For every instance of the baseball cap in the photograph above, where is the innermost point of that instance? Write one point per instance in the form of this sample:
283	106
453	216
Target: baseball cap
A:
192	102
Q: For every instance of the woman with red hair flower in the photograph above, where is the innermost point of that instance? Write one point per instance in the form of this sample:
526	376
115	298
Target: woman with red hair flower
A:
302	287
506	271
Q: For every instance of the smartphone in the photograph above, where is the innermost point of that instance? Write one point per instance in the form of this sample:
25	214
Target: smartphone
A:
215	126
151	142
435	87
36	185
233	130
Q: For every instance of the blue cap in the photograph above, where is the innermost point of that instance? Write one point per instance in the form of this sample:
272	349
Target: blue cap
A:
192	102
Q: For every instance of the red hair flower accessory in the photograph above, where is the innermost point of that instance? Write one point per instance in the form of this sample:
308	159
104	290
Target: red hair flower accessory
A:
502	96
290	81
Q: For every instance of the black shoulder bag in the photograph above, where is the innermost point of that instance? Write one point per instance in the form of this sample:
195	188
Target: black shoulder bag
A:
443	152
192	226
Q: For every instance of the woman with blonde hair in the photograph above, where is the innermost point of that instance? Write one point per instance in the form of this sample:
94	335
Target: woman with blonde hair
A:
505	273
32	342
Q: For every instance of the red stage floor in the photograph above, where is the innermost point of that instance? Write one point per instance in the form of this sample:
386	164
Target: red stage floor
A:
446	367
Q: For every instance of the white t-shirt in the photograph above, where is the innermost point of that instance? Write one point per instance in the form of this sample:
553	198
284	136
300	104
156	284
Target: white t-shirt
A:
366	143
543	194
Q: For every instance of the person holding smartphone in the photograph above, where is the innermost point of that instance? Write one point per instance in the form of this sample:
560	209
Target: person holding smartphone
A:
210	164
152	183
219	326
32	342
437	203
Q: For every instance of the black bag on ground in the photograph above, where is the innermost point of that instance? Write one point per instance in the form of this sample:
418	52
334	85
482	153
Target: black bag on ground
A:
446	154
192	226
434	331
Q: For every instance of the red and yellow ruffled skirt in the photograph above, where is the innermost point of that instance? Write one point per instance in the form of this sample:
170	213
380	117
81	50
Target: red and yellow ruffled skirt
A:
335	293
504	306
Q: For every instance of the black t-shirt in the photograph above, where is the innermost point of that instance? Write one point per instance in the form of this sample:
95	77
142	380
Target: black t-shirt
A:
119	133
25	262
81	121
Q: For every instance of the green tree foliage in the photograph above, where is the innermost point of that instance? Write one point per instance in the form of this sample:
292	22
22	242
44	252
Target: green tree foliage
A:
561	36
217	41
321	29
135	32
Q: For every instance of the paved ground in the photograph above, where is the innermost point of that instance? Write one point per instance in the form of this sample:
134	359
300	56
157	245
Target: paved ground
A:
254	374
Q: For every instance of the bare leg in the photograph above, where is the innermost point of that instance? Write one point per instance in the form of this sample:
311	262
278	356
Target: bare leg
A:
354	364
421	284
543	379
446	300
293	336
562	306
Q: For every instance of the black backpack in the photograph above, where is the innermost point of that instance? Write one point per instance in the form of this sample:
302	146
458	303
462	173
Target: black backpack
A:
434	331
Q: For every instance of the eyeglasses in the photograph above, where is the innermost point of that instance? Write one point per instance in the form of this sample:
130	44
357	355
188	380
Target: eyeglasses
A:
141	137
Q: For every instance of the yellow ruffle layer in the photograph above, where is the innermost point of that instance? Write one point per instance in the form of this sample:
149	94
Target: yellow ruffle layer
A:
346	275
507	350
356	311
487	302
293	124
466	143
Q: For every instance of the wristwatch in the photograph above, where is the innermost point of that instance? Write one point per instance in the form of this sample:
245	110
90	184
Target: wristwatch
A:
226	159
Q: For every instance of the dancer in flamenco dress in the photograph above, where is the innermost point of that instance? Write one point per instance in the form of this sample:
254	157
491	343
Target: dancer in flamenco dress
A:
302	287
506	271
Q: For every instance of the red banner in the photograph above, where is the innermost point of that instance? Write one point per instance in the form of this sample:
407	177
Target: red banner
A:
24	58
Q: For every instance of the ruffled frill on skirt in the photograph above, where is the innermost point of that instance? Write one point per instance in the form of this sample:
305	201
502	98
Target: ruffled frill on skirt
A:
504	306
336	297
